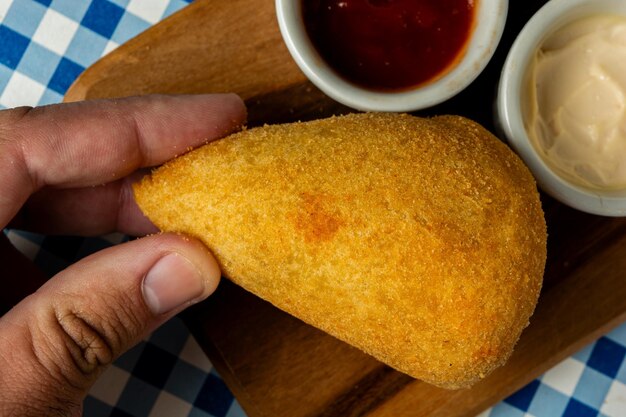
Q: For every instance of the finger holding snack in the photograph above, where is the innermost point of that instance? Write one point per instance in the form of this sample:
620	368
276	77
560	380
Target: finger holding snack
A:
68	169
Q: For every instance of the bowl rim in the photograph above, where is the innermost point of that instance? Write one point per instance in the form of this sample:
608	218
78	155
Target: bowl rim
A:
509	119
488	28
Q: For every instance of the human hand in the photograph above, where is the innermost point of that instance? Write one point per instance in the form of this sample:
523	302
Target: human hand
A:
68	169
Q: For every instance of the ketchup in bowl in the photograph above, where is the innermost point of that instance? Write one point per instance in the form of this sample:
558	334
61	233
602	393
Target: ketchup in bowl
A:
390	44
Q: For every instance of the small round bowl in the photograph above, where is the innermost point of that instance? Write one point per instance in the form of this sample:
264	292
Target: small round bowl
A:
485	36
512	91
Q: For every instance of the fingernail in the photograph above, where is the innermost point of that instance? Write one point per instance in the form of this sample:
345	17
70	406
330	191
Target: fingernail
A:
171	283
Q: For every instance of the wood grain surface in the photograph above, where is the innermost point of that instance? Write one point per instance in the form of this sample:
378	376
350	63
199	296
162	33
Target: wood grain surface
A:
278	366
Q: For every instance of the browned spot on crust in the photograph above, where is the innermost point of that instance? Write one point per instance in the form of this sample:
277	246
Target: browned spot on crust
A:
317	220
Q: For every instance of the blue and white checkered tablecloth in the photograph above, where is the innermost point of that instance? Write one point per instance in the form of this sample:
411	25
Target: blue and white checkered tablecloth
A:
44	46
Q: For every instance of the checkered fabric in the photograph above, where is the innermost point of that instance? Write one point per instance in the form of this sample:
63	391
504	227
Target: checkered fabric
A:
590	383
44	46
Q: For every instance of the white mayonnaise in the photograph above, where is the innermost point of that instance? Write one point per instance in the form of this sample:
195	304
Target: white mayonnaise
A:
576	112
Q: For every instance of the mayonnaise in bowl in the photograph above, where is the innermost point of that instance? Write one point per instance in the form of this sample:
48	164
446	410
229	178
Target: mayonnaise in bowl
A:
575	114
561	99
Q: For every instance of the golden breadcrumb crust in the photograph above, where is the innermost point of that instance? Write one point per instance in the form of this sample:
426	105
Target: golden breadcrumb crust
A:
420	241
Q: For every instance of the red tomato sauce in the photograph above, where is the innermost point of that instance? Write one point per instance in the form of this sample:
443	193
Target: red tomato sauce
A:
389	44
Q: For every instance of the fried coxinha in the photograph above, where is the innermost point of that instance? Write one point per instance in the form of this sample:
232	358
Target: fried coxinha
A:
420	241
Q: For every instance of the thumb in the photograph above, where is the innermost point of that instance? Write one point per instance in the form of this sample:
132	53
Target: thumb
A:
55	343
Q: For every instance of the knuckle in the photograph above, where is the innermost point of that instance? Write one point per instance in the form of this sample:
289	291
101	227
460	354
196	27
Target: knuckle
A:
9	121
16	114
75	342
89	348
97	337
15	138
66	349
69	345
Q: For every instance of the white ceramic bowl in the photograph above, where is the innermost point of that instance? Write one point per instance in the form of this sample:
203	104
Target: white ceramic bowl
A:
511	91
490	19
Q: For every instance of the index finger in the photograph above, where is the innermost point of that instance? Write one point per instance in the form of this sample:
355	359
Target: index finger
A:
95	142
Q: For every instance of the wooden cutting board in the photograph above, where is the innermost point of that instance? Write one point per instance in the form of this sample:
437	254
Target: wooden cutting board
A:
275	364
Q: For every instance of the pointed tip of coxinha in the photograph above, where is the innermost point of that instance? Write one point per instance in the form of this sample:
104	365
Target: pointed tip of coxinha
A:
420	241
